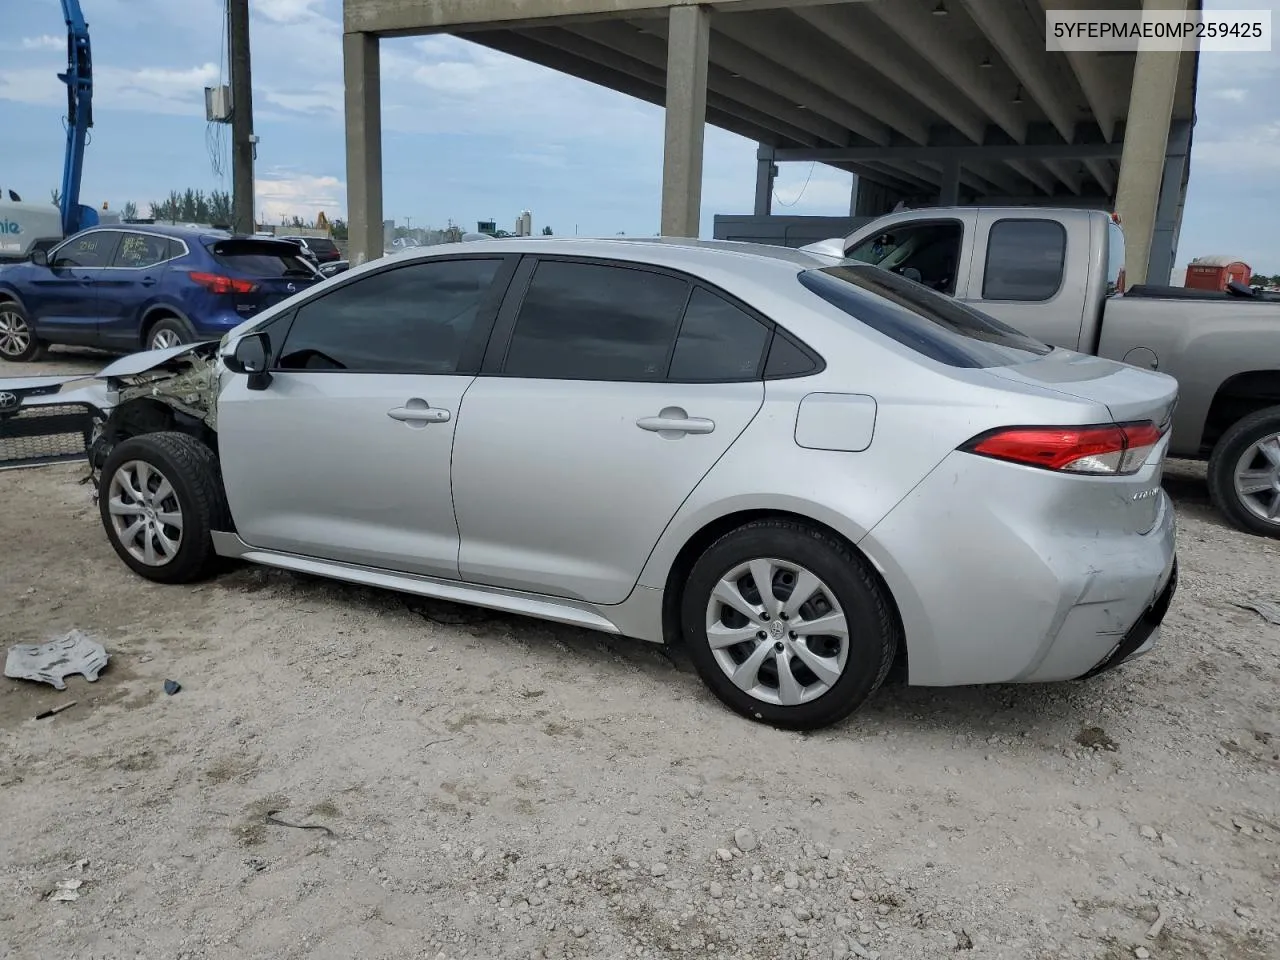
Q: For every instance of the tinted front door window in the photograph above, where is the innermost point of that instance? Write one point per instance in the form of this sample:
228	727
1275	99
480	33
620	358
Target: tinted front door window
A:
417	318
582	321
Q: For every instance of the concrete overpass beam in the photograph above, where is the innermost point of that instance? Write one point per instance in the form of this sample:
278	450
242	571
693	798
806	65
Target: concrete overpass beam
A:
1146	147
688	42
766	173
363	75
1164	235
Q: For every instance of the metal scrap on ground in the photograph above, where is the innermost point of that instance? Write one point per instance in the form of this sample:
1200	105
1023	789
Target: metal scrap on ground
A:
56	660
1266	609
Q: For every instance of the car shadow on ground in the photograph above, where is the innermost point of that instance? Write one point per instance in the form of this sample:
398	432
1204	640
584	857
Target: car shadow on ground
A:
1042	712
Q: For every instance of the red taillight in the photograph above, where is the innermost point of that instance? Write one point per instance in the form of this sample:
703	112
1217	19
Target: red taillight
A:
1113	450
217	283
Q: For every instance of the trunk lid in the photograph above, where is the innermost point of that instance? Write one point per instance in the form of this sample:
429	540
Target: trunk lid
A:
1129	393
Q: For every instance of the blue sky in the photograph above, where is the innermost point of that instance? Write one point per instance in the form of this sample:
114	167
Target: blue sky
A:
472	134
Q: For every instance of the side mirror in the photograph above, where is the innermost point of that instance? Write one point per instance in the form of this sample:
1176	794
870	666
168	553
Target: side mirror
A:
252	356
40	257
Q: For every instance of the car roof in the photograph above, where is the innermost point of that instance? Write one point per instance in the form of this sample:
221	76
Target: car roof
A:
662	251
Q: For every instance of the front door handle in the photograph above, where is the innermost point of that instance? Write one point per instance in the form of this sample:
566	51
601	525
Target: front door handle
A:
417	412
674	422
148	281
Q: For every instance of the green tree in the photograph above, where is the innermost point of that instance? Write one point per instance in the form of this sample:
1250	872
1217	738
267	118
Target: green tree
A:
546	232
56	196
339	230
1258	280
129	211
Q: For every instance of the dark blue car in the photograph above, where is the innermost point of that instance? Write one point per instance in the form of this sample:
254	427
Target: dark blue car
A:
136	287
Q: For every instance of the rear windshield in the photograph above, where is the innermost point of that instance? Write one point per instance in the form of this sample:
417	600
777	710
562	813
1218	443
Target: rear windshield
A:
322	245
261	258
928	322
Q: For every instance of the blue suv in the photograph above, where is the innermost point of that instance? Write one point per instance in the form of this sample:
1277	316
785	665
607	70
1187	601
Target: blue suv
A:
131	287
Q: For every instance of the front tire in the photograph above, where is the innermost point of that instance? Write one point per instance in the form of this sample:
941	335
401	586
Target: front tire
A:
787	624
18	343
160	497
1244	473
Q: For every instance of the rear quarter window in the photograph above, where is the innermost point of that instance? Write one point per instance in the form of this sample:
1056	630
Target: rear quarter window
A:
924	320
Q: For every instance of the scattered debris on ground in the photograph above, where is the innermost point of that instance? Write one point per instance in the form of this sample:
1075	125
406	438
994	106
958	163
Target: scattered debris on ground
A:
54	661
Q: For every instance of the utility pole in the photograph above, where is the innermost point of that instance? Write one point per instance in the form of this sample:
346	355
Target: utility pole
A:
243	142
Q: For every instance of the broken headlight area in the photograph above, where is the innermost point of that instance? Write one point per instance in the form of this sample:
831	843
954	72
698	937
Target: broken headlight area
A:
179	394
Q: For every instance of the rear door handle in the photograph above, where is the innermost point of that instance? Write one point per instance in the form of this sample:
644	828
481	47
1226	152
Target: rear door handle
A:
418	412
148	281
674	421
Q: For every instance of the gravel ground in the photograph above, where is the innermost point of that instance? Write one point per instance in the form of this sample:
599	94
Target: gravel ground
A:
499	787
59	360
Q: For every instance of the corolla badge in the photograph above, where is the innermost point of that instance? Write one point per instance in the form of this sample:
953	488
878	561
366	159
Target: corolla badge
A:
9	401
1146	494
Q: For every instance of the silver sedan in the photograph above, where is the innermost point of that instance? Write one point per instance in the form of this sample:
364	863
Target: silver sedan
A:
803	468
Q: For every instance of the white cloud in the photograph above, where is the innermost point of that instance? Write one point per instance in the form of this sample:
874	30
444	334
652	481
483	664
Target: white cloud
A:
284	194
1257	151
1234	94
287	11
150	89
44	42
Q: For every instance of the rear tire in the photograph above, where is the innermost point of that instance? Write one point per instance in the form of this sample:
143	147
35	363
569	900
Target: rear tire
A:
1244	473
801	665
168	332
18	343
160	497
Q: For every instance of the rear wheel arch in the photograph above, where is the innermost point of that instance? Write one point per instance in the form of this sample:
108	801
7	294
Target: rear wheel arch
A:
1239	396
696	545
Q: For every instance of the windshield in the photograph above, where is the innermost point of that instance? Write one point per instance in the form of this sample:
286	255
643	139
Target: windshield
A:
262	258
928	322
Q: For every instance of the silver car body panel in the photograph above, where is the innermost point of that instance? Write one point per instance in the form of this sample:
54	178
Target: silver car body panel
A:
376	490
547	498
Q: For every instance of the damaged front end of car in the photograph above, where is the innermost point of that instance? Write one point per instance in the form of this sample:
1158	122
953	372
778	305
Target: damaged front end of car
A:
48	419
160	390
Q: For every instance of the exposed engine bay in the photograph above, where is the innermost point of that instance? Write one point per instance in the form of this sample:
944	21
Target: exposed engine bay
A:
178	392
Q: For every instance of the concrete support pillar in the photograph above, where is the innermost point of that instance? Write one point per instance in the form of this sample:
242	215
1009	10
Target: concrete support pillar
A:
1164	235
688	41
949	195
363	74
766	173
853	196
1146	144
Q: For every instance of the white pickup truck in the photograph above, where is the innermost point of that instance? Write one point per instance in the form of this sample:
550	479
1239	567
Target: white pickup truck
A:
1058	275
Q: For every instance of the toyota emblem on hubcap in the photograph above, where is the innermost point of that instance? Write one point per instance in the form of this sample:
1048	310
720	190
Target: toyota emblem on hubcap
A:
9	401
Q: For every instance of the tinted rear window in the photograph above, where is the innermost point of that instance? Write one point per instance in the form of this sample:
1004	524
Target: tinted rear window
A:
928	322
261	258
321	245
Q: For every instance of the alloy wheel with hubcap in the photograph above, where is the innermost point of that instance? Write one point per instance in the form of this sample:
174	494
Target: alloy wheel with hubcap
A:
788	624
161	497
145	513
777	631
17	342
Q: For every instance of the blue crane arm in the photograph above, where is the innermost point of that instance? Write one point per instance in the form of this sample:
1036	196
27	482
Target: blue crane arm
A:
79	81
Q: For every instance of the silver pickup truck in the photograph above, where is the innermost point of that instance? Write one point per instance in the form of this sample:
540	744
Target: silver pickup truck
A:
1058	275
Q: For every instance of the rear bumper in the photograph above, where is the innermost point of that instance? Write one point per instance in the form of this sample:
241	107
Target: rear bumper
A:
992	589
1142	635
